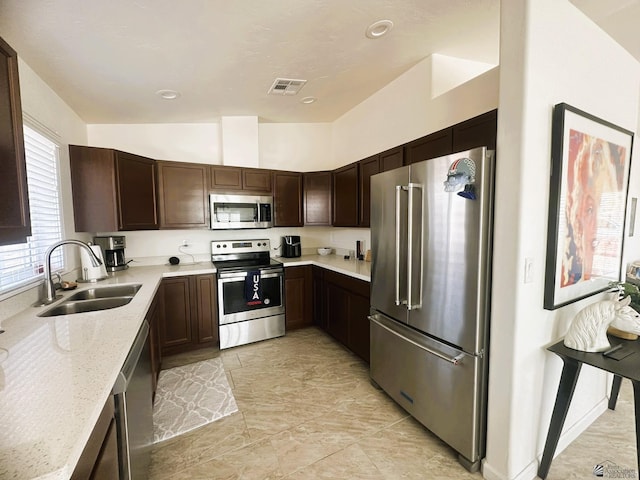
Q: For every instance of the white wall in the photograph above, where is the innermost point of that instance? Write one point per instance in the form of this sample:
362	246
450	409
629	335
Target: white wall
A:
282	146
304	147
403	110
550	53
178	142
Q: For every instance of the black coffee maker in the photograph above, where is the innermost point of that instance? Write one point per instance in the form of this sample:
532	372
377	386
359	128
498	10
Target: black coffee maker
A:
291	247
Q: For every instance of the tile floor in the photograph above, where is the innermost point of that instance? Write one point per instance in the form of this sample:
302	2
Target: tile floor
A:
308	411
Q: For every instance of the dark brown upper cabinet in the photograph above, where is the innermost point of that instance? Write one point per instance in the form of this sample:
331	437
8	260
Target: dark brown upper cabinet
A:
345	196
368	167
225	178
112	190
15	224
478	131
238	179
183	195
391	159
317	198
430	146
287	199
256	180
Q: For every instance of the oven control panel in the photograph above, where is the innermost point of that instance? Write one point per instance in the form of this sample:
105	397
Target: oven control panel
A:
240	246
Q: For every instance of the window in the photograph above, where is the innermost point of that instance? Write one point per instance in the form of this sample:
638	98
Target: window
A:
23	263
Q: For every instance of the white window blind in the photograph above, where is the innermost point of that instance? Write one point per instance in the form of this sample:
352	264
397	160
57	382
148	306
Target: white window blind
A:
23	263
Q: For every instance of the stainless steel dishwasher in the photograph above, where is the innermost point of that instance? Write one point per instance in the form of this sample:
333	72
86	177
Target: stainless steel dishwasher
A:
134	409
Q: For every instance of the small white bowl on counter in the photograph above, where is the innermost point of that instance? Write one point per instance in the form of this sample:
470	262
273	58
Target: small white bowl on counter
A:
324	251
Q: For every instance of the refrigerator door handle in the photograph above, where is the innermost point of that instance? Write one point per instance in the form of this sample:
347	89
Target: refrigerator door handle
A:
399	302
412	187
457	360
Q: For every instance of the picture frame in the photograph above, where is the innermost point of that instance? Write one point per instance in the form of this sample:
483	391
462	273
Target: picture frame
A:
590	167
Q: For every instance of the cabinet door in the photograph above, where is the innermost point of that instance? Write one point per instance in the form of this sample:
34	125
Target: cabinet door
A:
287	197
93	181
298	297
203	297
99	459
358	317
136	182
154	319
256	180
176	333
107	467
225	178
479	131
319	317
368	167
345	196
317	198
337	311
391	159
15	224
432	146
182	195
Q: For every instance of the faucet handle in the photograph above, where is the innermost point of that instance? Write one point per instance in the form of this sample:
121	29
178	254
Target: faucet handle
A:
57	285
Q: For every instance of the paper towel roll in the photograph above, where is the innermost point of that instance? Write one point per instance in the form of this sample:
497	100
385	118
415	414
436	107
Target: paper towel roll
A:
88	271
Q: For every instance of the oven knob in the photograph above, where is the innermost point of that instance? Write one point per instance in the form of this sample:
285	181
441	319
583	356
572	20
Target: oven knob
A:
217	246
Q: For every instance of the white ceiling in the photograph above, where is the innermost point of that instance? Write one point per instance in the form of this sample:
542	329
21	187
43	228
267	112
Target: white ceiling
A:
107	59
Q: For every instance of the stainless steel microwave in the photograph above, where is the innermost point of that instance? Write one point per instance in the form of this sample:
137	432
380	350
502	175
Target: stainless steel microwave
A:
240	211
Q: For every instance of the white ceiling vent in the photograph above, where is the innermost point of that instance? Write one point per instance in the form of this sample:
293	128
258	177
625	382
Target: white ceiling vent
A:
286	86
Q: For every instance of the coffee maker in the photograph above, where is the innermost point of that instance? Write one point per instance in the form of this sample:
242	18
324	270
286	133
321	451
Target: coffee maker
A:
291	247
112	252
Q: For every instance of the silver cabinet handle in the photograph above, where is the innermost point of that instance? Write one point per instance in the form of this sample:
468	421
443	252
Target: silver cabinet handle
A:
412	187
397	257
457	360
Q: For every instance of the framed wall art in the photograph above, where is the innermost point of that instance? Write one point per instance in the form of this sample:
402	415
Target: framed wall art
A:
590	165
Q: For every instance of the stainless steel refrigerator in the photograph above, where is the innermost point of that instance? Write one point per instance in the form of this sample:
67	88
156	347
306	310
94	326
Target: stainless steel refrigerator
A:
431	225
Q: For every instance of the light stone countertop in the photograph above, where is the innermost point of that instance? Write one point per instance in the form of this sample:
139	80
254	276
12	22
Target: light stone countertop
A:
353	268
56	373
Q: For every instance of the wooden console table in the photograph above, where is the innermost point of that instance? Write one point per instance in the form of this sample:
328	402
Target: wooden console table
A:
628	367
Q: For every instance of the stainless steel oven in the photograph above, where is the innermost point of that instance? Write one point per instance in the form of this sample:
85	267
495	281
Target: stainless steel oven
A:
250	285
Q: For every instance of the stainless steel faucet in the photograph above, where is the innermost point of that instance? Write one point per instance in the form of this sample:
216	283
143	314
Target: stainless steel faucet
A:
48	290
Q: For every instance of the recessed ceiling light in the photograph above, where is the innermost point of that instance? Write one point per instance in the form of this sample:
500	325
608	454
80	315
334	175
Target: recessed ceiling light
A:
168	94
379	29
308	100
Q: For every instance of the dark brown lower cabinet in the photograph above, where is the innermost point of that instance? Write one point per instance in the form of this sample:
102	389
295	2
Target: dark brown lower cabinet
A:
345	310
190	319
319	317
99	459
298	291
154	319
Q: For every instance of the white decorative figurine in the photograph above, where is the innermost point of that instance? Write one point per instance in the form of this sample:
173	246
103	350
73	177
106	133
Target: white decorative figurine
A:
588	330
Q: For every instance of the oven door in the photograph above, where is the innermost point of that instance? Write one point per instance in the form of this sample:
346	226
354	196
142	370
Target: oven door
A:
233	306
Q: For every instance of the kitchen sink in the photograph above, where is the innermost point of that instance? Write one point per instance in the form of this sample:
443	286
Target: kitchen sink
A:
106	292
84	306
94	299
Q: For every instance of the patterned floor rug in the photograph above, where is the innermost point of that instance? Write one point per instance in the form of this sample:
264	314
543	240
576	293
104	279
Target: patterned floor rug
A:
190	396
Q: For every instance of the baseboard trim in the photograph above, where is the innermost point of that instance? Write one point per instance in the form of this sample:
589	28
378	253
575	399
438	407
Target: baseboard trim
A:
530	472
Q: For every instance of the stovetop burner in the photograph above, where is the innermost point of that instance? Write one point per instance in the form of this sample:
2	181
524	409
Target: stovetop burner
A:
242	254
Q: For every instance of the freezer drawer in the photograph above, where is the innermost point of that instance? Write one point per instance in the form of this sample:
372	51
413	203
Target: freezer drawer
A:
438	385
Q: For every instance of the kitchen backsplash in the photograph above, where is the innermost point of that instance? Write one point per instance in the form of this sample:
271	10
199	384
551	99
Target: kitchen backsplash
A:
155	247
